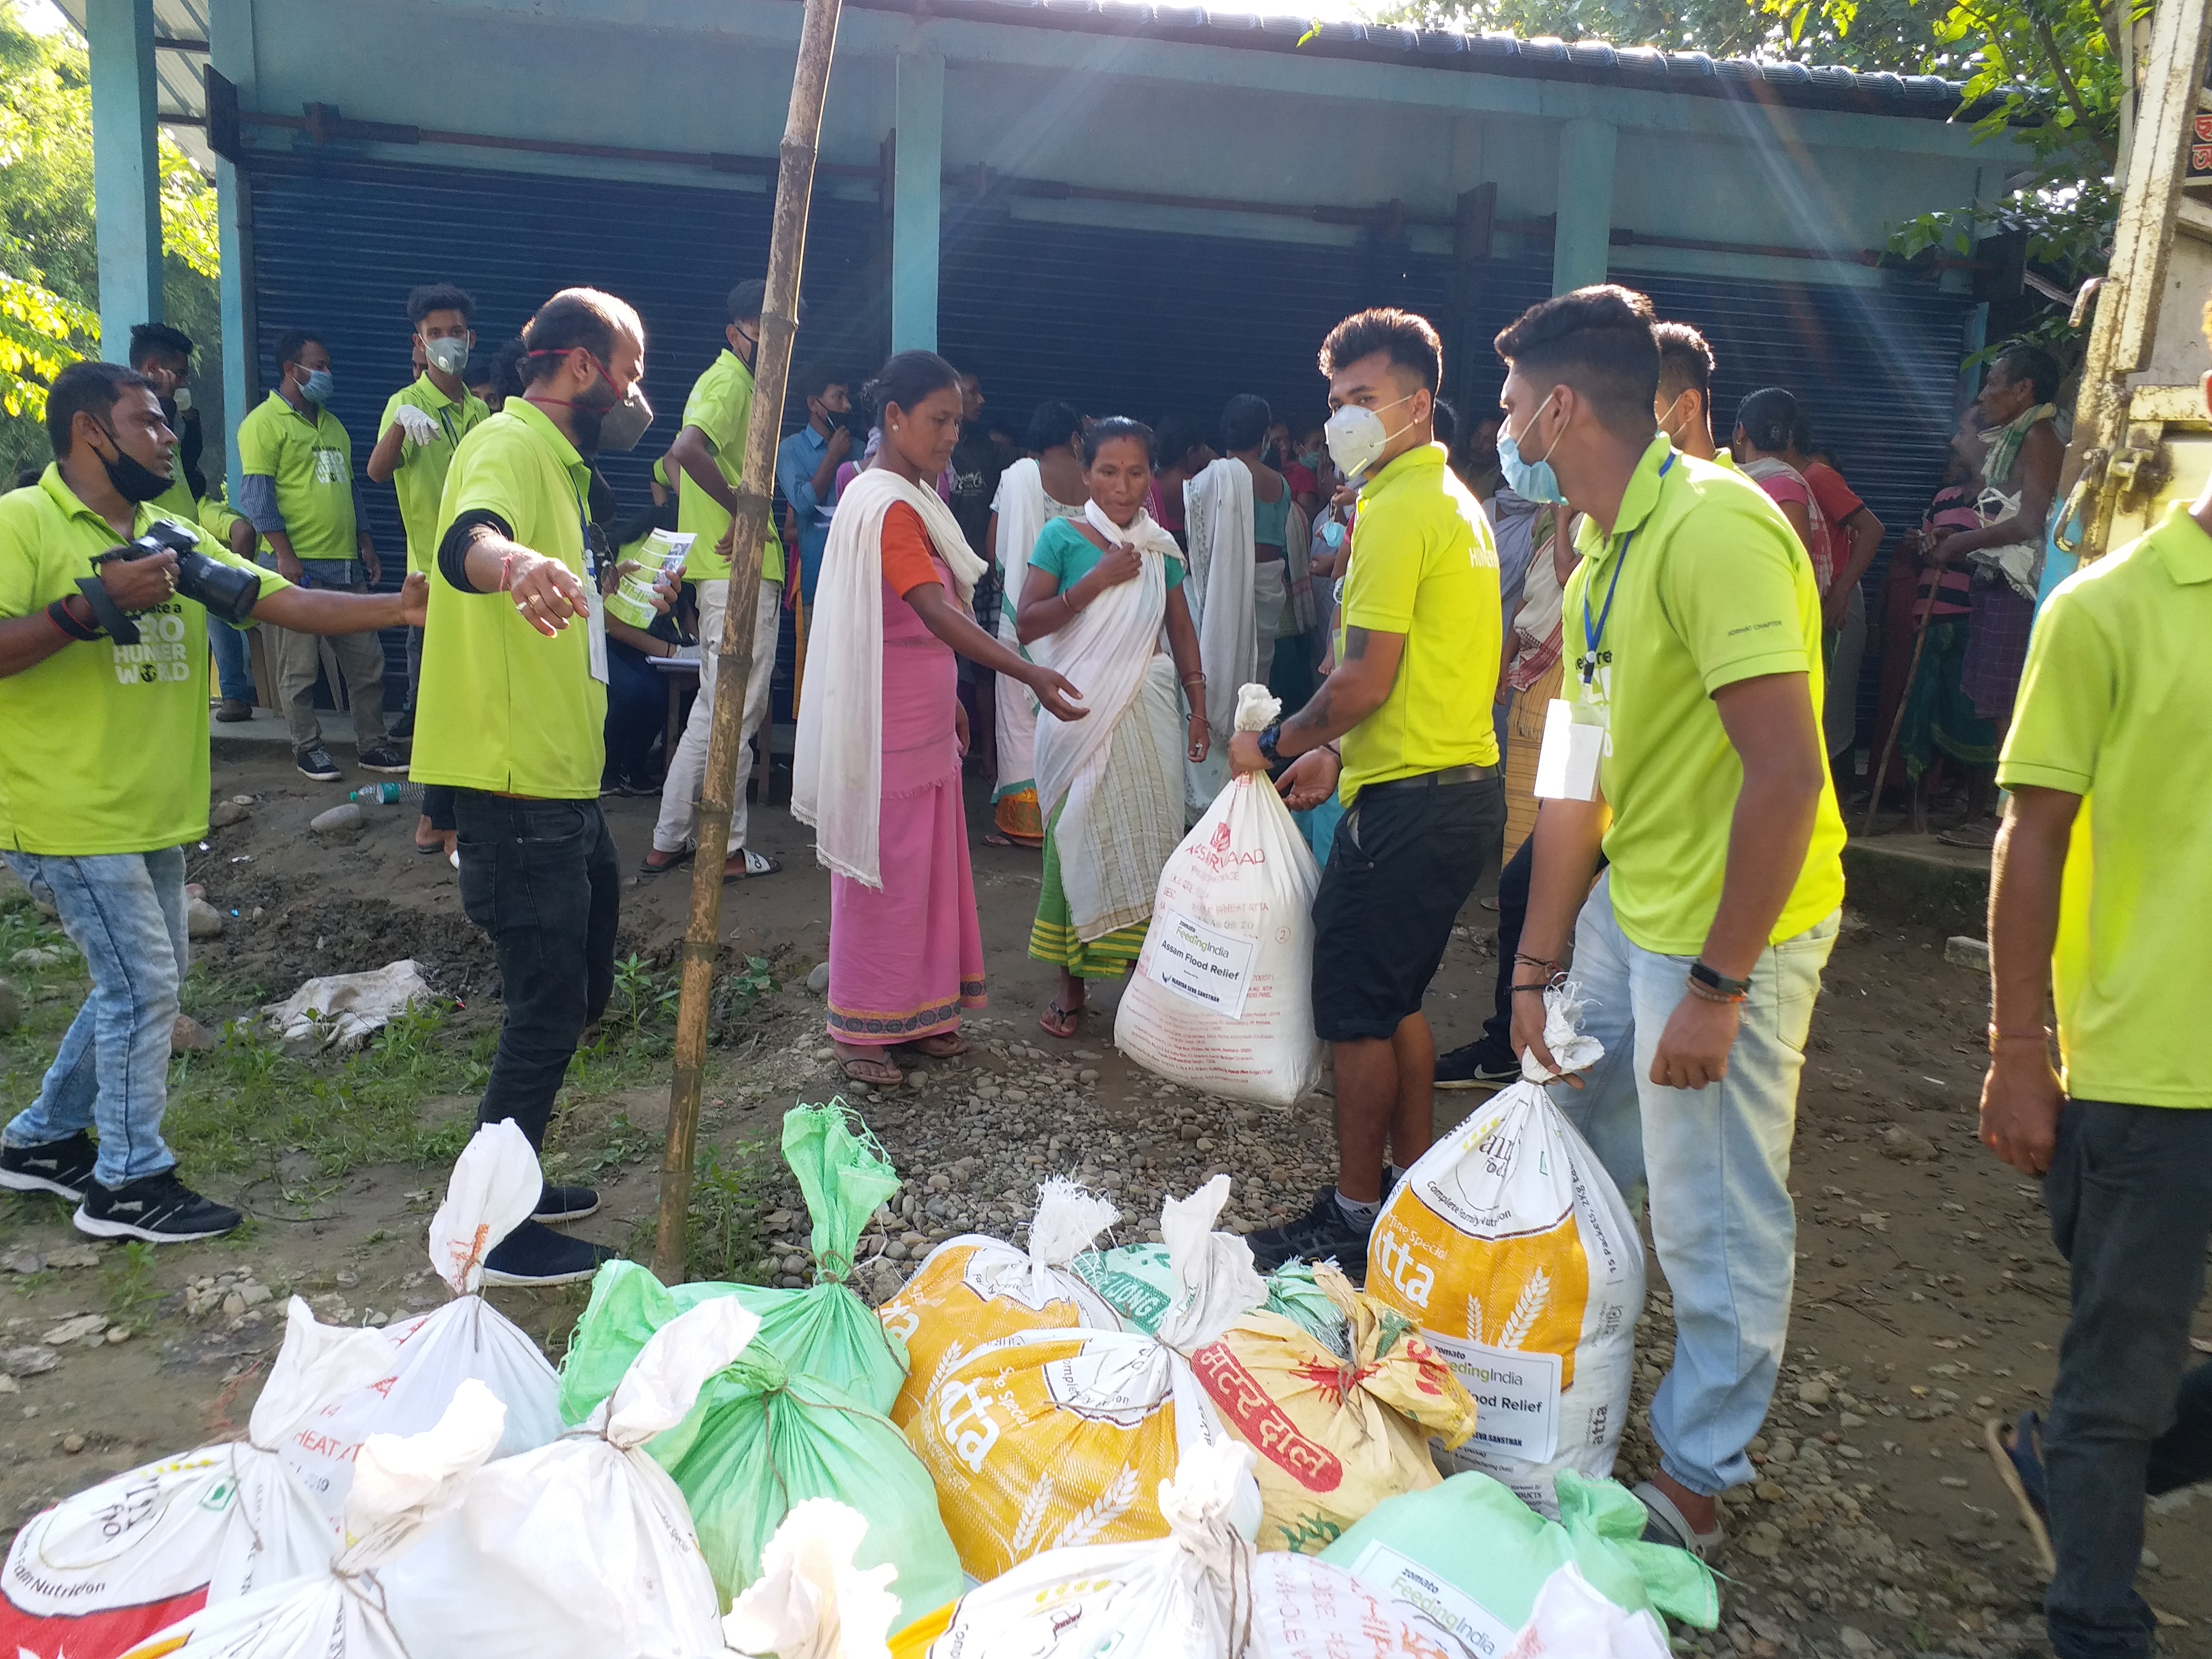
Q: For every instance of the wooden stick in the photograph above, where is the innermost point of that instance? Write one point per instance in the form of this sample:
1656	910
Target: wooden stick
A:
794	188
1904	703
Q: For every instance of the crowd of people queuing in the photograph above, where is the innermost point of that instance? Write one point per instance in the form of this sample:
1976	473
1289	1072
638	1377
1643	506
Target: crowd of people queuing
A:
1076	612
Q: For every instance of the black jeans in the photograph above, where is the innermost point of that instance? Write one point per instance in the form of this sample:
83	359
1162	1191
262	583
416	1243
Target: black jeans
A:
543	878
2129	1192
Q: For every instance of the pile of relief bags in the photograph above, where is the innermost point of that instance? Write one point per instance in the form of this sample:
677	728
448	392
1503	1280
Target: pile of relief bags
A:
1053	1448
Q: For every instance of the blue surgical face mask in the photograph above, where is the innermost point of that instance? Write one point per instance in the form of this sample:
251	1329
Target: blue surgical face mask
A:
1533	481
316	385
1332	533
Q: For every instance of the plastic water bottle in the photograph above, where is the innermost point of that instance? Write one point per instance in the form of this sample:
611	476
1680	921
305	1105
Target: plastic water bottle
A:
387	794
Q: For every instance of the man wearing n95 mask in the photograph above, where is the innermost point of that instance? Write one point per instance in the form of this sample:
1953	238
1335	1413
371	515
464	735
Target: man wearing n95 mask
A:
1401	729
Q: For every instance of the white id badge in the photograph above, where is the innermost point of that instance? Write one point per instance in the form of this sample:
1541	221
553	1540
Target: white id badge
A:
597	632
1566	765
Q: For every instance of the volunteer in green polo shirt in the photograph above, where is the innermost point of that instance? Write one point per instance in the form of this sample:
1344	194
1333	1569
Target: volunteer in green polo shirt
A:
422	424
710	451
103	775
514	699
2103	897
298	488
1693	677
1409	699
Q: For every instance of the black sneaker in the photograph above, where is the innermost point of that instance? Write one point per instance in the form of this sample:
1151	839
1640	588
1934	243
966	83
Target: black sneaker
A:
63	1168
317	763
158	1208
534	1255
1480	1064
382	757
1321	1235
558	1205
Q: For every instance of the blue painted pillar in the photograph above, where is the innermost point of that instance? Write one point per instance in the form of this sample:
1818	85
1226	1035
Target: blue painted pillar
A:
918	172
1581	242
230	43
126	183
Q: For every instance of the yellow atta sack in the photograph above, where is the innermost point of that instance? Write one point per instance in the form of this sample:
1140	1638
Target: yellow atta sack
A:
1511	1248
1046	1439
1336	1432
972	1291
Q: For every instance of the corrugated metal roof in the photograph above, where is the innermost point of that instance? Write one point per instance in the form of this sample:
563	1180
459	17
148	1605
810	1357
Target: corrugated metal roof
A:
1595	63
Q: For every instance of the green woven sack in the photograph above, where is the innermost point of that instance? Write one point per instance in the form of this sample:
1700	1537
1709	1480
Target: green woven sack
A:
1472	1556
1135	1280
763	1438
825	1331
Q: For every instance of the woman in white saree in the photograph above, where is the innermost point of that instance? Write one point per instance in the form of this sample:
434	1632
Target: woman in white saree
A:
1101	603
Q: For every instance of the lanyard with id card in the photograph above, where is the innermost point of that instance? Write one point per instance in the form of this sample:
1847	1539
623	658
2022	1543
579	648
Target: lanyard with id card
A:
1577	735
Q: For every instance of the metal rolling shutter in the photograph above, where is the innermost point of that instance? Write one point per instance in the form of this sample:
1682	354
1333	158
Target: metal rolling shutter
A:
337	244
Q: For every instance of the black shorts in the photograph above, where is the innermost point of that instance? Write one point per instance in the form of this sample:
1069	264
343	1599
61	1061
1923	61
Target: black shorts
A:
1404	861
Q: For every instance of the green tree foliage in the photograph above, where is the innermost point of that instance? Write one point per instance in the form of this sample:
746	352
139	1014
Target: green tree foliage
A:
2048	70
49	260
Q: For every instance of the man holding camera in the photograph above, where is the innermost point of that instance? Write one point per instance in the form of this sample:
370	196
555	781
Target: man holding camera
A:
104	776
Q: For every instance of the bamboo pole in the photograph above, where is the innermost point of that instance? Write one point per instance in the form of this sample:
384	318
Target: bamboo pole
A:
795	187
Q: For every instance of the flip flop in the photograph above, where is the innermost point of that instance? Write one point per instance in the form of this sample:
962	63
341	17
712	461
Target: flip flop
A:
1668	1525
1073	1016
993	838
877	1073
959	1045
646	867
2019	1465
756	864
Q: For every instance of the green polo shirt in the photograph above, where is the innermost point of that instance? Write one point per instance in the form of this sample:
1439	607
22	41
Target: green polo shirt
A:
721	407
1424	565
106	745
421	479
2112	708
503	707
311	462
1708	586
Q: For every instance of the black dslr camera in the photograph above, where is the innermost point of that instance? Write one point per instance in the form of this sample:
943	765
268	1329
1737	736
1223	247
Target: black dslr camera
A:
226	591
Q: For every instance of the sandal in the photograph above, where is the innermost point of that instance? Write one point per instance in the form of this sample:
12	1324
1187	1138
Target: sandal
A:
944	1045
1667	1525
993	838
1070	1020
756	863
645	866
2019	1465
873	1070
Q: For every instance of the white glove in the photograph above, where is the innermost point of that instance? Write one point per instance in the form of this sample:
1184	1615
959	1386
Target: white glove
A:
417	424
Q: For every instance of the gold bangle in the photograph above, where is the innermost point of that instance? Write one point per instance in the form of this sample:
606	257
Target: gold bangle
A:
2042	1036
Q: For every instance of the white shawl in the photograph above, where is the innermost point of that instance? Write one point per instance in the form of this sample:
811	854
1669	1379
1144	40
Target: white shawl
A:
1122	788
1020	504
1217	508
837	772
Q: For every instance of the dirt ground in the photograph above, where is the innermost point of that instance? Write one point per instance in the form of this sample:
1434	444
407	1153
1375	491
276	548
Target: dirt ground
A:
1928	1294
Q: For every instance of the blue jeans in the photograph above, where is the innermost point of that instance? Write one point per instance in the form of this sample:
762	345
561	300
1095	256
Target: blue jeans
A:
125	911
226	645
1716	1161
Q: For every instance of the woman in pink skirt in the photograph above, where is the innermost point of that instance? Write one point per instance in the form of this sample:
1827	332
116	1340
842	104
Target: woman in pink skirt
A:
881	735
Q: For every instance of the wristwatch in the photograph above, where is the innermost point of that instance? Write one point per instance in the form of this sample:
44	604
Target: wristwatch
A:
1719	983
1267	744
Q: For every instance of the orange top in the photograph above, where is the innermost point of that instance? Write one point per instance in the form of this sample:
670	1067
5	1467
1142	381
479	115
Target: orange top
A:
909	557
